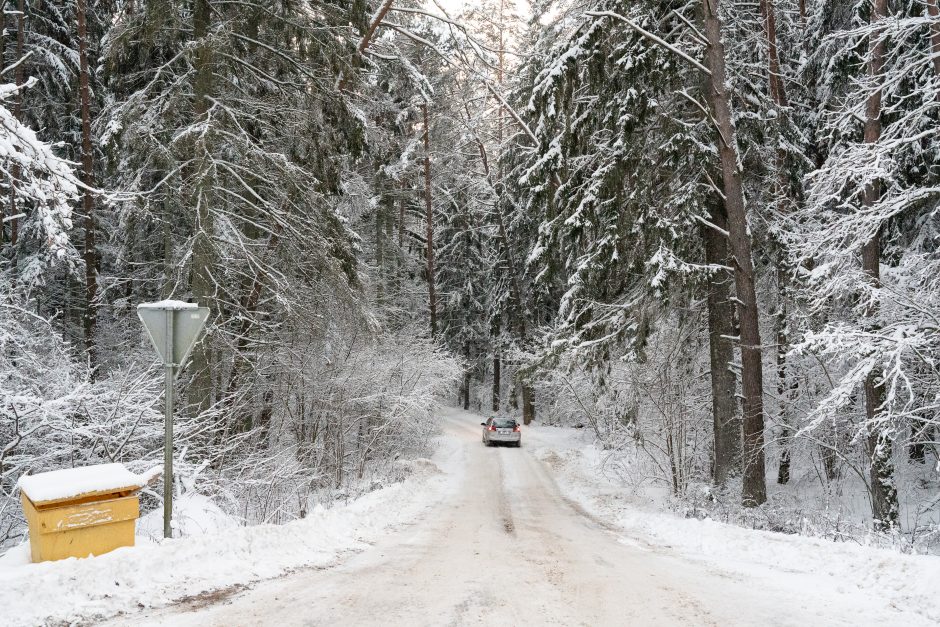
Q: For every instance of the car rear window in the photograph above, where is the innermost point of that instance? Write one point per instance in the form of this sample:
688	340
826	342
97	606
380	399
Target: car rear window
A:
504	424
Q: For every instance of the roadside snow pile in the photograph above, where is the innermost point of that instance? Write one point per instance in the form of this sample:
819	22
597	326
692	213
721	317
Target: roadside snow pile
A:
420	467
193	515
903	580
156	574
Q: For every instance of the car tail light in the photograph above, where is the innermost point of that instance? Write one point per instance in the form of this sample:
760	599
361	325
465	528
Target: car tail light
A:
517	429
491	428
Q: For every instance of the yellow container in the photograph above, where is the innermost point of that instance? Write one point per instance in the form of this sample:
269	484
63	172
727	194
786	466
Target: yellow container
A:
88	524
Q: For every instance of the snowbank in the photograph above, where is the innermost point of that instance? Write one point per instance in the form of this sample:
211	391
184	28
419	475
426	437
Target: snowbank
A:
155	574
193	515
907	581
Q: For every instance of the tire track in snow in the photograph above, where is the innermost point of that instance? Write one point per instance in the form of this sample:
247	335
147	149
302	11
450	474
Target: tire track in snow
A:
505	509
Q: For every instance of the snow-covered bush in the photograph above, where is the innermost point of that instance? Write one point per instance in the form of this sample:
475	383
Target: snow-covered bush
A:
340	410
343	409
54	415
654	407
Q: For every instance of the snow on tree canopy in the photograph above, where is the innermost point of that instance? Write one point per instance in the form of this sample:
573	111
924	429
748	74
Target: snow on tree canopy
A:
70	482
44	185
168	304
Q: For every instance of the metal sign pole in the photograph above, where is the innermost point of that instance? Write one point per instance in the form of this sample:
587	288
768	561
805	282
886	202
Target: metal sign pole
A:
173	327
168	431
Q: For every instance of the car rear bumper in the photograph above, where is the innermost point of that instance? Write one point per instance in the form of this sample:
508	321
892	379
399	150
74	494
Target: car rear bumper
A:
507	437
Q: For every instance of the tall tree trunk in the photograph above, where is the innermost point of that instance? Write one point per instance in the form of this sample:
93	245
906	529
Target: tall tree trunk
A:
401	220
400	257
389	233
778	96
466	377
3	56
429	209
727	422
777	89
374	25
783	468
883	493
497	366
528	394
785	386
528	403
249	307
518	314
18	114
366	40
380	249
921	438
90	317
933	10
754	489
203	287
169	265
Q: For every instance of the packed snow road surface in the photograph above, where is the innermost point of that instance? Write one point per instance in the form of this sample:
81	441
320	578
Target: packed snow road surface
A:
507	548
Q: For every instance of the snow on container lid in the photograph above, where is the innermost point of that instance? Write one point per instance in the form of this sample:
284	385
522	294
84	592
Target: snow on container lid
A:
168	304
66	484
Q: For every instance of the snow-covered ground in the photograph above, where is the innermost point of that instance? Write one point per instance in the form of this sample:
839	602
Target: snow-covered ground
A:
481	536
903	581
217	554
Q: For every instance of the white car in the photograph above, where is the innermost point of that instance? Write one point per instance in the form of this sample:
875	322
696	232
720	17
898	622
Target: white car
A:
501	431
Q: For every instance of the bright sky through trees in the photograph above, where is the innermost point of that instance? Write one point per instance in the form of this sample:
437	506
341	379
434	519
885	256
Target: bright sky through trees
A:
455	6
451	5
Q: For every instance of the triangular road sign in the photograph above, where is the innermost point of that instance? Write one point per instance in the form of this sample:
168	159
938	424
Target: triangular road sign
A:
183	320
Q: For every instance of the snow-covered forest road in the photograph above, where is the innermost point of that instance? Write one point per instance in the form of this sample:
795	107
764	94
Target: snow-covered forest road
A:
248	248
506	547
